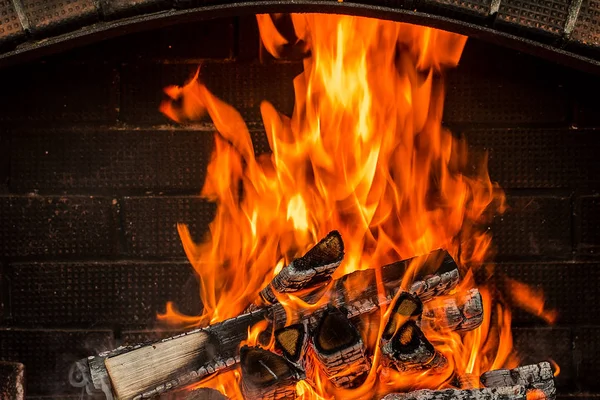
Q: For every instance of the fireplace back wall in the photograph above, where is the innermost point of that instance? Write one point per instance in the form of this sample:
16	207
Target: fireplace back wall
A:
93	180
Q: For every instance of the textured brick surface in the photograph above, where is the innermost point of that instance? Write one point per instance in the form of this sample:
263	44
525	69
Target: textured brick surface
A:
569	288
57	226
494	85
587	26
4	294
96	294
587	357
539	157
48	355
11	30
534	226
534	345
588	224
478	8
58	93
542	16
4	160
122	8
244	85
105	161
54	15
151	223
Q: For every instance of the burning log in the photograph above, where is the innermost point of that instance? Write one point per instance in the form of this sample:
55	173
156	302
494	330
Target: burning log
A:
138	371
292	342
499	393
403	343
408	350
339	349
535	377
311	270
463	312
266	375
196	394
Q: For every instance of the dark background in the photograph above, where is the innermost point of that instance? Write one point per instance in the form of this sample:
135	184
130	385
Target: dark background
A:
93	180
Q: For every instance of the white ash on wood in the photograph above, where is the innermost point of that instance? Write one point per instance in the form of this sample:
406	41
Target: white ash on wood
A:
461	312
500	393
533	377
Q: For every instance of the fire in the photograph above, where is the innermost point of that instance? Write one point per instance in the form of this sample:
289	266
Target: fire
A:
365	153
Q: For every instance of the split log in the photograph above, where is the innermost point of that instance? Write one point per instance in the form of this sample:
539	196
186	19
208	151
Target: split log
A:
266	375
311	270
535	377
292	342
339	349
196	394
499	393
409	350
12	380
201	352
462	312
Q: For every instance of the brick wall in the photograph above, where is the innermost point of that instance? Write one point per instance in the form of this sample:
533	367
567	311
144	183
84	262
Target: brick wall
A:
93	180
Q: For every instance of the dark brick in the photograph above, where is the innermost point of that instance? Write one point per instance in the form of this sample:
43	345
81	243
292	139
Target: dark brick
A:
151	223
94	294
534	345
540	157
495	85
48	355
130	338
107	161
537	226
4	160
248	38
4	296
59	92
57	226
52	16
588	224
459	8
243	85
11	30
112	9
587	358
569	288
542	17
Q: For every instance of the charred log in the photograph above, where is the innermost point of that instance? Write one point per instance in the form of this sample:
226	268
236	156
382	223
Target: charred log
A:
292	342
535	377
196	394
340	349
313	269
463	312
266	375
499	393
408	349
215	348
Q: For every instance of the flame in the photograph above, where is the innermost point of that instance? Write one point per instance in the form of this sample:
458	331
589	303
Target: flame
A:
365	153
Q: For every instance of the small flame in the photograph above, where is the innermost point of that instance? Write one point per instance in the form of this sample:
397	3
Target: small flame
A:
365	153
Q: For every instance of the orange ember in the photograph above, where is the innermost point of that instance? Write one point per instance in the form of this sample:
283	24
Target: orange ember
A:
364	153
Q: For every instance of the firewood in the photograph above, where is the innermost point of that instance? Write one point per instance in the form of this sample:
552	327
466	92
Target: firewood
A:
196	394
533	377
407	349
292	341
312	269
462	312
218	349
339	348
266	375
12	380
499	393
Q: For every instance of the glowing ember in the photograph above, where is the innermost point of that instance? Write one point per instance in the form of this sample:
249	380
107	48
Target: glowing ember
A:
364	153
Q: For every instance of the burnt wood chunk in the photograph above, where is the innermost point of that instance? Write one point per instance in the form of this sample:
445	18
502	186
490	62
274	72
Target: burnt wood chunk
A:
406	307
266	375
196	394
292	342
12	380
312	269
499	393
462	312
339	349
534	377
407	349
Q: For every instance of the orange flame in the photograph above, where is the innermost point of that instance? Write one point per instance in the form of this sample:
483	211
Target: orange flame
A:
365	153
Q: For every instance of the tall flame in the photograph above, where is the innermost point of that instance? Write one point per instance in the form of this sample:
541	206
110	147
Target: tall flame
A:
365	153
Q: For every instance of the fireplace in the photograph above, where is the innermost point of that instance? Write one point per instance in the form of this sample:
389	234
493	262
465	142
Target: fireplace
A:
94	180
